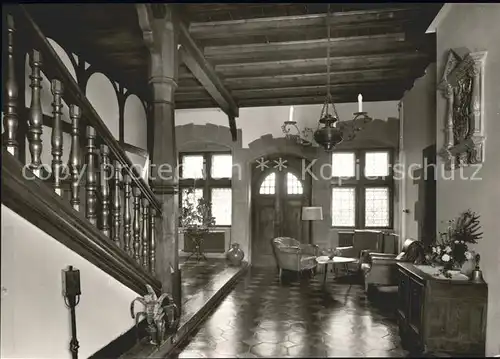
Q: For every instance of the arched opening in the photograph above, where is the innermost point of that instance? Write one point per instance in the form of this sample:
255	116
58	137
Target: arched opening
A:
278	194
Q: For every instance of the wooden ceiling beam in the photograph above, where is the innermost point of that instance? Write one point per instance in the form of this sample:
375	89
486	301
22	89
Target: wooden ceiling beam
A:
193	58
392	95
316	78
268	25
281	92
337	63
303	45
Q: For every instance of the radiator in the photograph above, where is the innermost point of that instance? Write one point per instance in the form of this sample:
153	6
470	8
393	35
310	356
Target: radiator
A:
214	242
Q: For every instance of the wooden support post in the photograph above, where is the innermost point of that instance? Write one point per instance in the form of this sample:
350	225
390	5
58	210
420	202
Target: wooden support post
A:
160	35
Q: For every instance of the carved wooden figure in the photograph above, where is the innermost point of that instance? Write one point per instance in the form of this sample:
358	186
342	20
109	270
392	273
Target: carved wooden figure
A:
10	116
74	156
104	174
136	229
91	185
57	135
127	218
35	114
145	232
116	204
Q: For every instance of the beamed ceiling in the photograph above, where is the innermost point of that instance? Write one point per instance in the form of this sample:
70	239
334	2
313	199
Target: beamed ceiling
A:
263	54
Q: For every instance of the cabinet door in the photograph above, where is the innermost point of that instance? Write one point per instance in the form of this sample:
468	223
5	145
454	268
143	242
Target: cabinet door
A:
403	294
416	305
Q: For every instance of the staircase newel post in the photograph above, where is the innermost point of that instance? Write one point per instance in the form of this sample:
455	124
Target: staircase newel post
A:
104	174
91	185
116	214
74	156
57	136
10	116
35	115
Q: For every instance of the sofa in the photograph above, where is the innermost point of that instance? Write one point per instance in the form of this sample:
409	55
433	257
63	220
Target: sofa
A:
294	256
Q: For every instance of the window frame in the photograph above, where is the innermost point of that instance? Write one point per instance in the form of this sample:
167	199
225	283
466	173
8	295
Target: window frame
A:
362	183
207	183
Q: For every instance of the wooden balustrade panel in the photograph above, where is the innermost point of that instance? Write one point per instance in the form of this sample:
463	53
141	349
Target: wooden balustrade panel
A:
145	232
74	156
104	175
91	185
152	246
10	116
35	114
127	218
116	213
57	135
136	228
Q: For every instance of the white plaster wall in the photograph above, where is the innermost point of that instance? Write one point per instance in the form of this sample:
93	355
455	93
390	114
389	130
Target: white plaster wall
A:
102	95
135	122
477	27
258	121
35	321
418	132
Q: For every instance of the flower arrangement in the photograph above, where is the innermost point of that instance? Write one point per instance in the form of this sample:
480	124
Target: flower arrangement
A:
452	249
196	216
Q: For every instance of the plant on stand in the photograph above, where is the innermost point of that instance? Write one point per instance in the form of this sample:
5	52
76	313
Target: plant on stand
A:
452	250
196	219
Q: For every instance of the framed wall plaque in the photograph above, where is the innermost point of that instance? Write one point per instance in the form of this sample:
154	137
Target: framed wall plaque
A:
462	85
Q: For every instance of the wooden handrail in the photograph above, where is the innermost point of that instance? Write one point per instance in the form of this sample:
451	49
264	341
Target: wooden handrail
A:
38	203
54	68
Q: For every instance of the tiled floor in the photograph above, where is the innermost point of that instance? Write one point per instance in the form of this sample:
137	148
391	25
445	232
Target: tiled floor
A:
263	318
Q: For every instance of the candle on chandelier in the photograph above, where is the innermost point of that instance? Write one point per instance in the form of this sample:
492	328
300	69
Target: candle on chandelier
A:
360	103
290	116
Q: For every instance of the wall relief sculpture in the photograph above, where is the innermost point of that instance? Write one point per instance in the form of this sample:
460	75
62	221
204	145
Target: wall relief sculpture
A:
462	86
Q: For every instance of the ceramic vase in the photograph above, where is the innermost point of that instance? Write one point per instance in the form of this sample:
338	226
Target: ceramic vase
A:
235	254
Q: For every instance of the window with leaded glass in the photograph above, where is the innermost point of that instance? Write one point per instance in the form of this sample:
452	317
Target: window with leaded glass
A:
343	164
221	206
210	173
293	184
343	207
377	207
268	186
364	198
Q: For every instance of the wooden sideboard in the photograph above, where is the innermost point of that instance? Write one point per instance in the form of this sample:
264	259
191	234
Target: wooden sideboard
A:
439	315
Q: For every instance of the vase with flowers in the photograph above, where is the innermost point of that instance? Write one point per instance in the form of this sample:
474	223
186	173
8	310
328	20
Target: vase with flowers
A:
452	249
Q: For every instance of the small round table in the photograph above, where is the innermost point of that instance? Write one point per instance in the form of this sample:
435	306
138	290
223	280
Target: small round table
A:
325	260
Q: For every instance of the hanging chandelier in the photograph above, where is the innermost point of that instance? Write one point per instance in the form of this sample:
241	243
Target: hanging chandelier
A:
330	131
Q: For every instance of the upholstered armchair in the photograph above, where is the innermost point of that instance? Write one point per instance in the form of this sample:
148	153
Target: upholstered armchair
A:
292	255
363	241
380	268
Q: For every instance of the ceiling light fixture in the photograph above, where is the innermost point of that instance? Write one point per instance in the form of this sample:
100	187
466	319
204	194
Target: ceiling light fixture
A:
330	131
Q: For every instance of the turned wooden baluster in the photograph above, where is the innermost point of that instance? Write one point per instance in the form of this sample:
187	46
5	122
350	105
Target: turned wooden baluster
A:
74	156
127	218
91	185
152	242
116	205
35	114
145	232
10	117
136	229
104	172
57	136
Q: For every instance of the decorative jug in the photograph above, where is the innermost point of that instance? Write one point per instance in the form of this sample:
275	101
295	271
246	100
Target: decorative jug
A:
235	254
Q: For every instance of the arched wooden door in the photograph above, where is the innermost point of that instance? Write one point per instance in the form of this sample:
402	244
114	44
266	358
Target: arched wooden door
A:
278	195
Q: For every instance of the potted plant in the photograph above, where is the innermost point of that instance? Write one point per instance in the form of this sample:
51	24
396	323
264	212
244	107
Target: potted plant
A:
452	250
196	219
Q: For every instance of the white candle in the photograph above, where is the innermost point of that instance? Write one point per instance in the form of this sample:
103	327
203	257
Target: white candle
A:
360	103
290	116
